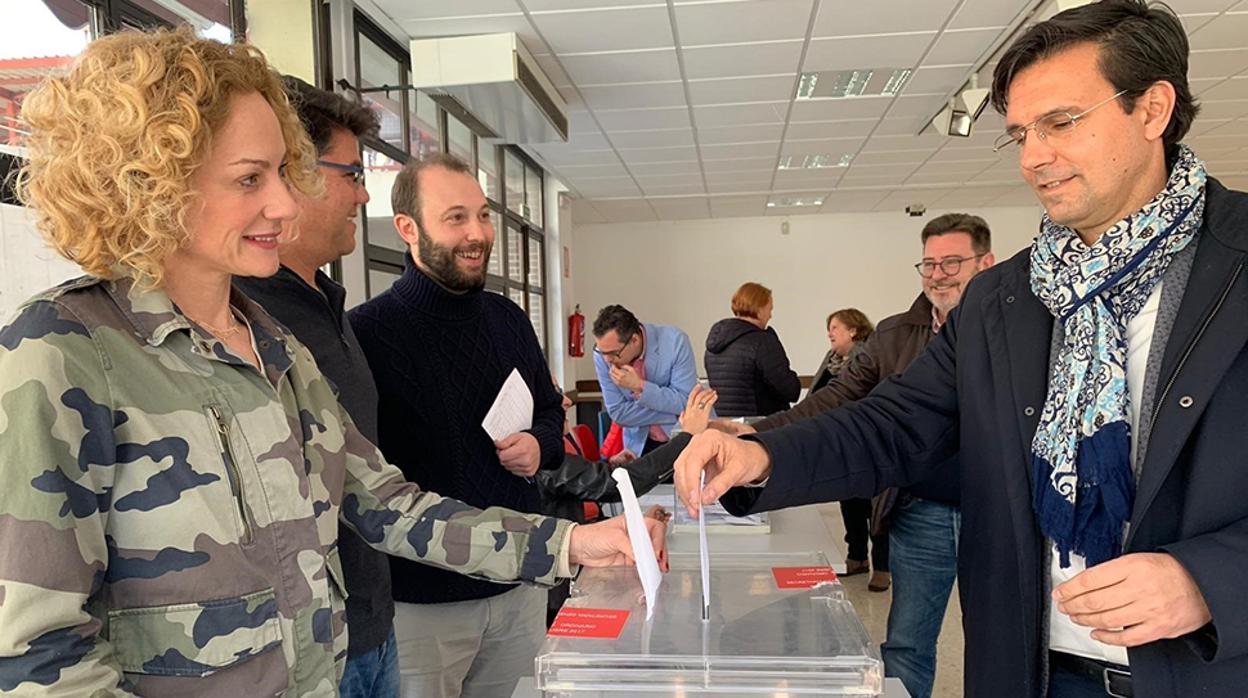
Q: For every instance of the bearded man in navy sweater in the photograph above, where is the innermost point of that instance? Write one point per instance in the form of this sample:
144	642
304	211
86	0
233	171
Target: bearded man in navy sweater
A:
440	348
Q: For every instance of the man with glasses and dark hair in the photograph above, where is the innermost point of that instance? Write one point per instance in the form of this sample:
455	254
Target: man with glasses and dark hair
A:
311	305
646	373
1092	387
921	520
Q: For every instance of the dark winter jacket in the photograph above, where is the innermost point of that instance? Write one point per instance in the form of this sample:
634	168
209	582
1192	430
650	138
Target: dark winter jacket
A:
747	366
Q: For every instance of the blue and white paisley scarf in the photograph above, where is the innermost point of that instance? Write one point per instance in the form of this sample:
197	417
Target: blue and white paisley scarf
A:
1081	454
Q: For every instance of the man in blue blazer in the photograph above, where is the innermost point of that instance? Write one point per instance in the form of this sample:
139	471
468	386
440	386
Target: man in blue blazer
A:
646	372
1094	387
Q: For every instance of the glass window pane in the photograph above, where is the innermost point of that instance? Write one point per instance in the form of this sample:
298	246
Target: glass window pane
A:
459	139
379	68
380	172
516	296
496	289
515	254
487	170
379	280
495	264
34	44
423	122
533	195
513	171
211	18
537	317
535	262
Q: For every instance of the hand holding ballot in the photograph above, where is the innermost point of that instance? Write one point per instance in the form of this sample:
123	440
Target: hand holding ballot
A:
606	543
728	461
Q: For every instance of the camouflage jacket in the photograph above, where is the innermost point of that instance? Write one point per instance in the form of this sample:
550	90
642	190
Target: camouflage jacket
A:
168	512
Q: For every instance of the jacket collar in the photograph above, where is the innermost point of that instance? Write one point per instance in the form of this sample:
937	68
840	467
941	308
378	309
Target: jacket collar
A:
421	292
920	312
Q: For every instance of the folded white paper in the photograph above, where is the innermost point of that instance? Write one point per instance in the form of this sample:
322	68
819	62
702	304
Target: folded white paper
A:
512	411
705	554
643	549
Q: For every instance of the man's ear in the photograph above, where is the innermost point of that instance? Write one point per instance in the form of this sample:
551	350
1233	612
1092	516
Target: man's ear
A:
1156	105
407	228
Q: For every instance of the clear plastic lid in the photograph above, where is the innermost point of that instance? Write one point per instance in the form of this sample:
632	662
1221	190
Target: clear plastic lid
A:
767	635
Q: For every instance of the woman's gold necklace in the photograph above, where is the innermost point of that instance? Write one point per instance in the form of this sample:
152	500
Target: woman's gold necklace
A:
223	333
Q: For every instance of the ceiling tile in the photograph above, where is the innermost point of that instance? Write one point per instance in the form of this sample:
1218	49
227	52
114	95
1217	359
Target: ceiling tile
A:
888	51
823	146
896	157
852	201
769	58
563	154
1017	196
677	154
761	163
738	206
742	175
811	130
1199	86
1217	64
900	126
460	26
960	47
899	199
851	180
734	22
544	5
432	10
732	187
1225	109
807	179
1237	127
1226	31
632	66
682	208
607	186
649	95
740	150
988	13
1188	7
916	105
1193	22
740	114
625	210
691	186
942	80
639	119
577	172
605	29
926	140
550	66
960	169
971	197
898	170
736	134
841	19
576	142
1235	88
686	168
1202	125
988	158
648	179
844	108
581	122
742	89
666	138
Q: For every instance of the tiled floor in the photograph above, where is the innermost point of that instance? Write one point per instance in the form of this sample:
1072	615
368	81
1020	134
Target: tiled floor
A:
872	607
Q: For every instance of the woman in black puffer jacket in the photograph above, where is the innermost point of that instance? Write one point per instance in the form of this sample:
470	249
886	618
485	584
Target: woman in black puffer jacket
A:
745	361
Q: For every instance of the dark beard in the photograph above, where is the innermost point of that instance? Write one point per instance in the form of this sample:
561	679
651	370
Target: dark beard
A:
439	263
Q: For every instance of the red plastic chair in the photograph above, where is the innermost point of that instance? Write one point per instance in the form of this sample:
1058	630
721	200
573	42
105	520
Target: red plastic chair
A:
585	439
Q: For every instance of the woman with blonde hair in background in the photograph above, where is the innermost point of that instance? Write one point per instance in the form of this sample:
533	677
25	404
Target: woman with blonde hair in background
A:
174	463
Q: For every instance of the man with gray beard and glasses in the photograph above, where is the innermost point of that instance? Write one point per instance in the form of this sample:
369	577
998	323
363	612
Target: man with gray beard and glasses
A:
440	348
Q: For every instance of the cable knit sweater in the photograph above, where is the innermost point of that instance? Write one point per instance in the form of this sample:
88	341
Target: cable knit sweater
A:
439	360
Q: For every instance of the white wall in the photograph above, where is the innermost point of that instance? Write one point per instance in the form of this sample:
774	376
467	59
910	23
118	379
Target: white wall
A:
27	264
684	273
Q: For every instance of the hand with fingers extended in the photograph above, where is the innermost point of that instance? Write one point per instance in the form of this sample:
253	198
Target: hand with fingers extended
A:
728	462
606	544
519	453
698	407
1134	599
731	428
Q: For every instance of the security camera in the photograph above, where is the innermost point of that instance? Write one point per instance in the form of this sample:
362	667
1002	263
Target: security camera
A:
972	101
916	209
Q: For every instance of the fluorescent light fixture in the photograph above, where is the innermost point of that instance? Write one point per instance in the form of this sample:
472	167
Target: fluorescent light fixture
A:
814	162
794	201
858	82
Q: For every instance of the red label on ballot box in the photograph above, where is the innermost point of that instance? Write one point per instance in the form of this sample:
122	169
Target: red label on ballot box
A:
802	577
601	623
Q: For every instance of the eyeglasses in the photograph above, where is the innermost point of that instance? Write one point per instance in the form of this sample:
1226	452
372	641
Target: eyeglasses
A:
1056	125
614	354
949	265
357	172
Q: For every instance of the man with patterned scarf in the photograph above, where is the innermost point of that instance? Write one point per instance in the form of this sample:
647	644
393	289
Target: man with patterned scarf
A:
1094	386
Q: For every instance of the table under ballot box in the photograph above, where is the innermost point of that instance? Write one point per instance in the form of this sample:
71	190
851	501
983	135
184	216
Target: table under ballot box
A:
778	625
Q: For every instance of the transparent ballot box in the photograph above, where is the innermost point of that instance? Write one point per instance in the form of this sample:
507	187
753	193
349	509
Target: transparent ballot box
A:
779	625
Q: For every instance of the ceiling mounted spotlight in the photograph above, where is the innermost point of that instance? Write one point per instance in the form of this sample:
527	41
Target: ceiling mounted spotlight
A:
958	117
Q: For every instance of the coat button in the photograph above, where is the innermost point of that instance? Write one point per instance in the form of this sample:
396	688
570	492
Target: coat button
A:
1009	299
1029	410
1186	401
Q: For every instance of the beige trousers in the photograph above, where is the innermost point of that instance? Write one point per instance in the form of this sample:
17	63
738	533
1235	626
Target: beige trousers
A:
469	649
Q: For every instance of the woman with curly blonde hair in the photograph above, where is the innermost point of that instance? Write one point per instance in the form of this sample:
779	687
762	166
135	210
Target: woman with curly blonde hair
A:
174	464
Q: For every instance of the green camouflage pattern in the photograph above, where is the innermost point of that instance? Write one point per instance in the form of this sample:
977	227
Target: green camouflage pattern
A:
168	512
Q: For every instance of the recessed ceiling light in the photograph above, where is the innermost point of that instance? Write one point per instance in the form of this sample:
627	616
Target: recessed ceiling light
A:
859	82
814	162
794	201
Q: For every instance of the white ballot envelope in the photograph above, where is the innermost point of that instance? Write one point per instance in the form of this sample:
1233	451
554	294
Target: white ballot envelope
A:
512	411
643	549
